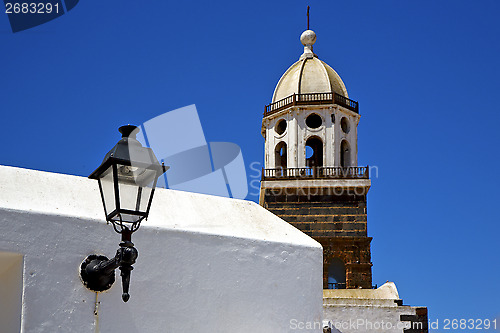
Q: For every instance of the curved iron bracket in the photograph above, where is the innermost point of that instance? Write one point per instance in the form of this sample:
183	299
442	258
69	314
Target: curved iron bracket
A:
98	272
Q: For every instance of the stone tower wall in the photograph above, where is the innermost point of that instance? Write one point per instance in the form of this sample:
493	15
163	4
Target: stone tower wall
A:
338	222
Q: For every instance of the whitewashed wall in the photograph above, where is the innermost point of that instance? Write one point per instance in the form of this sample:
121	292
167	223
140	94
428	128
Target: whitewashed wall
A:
367	310
206	264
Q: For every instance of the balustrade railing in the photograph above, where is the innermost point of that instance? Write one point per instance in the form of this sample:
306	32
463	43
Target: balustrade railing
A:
316	173
311	99
336	285
343	285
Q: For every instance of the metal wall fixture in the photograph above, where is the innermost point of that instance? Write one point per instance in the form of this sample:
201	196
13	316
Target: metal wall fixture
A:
127	179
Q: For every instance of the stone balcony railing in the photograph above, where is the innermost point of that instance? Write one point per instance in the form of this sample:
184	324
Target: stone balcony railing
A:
311	99
316	173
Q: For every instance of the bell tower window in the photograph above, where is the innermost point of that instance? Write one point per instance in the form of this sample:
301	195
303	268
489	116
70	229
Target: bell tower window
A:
314	121
280	155
280	127
336	274
344	125
314	152
345	154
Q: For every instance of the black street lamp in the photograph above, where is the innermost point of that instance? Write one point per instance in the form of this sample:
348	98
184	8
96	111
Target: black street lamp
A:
127	179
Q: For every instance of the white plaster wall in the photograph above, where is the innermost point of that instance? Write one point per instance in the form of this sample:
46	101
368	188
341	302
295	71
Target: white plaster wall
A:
273	139
367	319
365	310
206	264
351	137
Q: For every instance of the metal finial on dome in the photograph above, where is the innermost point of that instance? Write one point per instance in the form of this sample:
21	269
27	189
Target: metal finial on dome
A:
307	17
308	37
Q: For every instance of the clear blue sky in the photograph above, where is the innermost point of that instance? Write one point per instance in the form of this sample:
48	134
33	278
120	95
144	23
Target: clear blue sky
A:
426	75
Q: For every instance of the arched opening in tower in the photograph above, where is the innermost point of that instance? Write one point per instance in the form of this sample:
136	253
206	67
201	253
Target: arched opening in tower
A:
336	274
345	154
280	155
314	152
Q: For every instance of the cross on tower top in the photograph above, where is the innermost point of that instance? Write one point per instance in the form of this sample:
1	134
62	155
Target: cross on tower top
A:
307	17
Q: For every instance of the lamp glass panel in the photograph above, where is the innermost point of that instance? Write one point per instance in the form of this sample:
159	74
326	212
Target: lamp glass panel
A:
128	218
135	186
108	190
145	196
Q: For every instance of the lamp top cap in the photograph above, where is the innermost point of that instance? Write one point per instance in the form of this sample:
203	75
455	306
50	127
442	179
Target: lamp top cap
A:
129	131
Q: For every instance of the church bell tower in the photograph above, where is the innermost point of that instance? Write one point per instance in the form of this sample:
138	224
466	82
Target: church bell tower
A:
311	178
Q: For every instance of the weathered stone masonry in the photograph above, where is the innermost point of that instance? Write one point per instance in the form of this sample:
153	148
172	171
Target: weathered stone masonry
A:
339	223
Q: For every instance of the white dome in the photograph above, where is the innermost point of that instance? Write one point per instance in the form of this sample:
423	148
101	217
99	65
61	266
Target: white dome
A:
309	74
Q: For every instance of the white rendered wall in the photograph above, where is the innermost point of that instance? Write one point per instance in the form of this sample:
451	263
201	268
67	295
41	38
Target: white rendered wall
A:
206	264
366	310
297	133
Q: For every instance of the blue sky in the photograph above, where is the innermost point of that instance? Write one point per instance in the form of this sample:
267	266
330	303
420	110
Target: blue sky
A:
425	74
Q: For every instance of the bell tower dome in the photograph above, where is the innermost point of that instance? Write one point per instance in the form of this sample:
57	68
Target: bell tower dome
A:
311	178
311	115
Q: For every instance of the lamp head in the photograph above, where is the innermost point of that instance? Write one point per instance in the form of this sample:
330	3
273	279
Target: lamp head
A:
127	178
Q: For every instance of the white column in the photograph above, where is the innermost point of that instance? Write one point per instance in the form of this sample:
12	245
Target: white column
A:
355	122
293	140
329	139
336	138
268	149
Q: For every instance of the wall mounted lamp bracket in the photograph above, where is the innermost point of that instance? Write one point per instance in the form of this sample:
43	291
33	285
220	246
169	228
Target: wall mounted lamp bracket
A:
98	272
